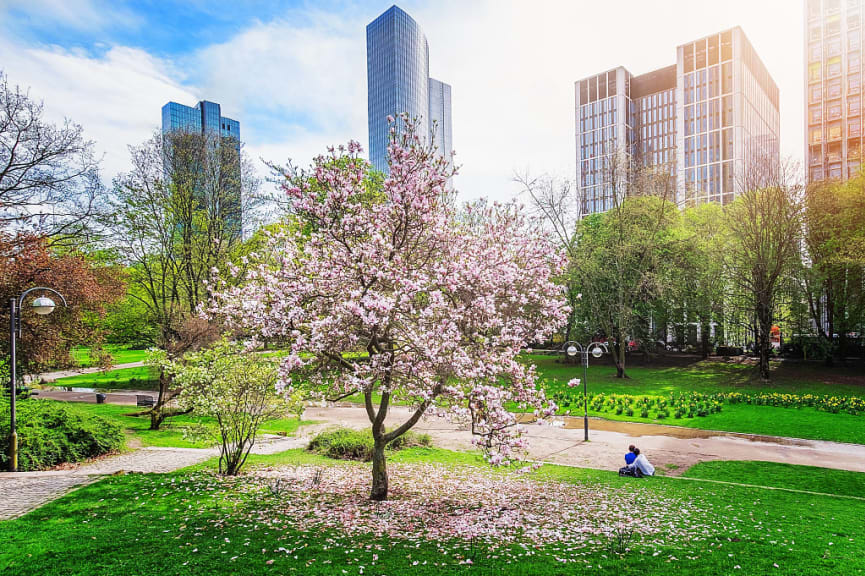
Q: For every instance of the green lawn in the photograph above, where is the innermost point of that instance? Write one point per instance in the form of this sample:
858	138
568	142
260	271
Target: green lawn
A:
120	354
716	377
808	478
186	431
706	377
137	378
196	523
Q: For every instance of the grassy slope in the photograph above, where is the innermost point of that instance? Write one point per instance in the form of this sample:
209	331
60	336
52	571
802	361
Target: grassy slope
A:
712	377
137	378
120	355
179	524
172	433
808	478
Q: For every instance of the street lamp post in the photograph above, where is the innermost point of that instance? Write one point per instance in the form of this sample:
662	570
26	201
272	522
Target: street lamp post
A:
42	306
596	349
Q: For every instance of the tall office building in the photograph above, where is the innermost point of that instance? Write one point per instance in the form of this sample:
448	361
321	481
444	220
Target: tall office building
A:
206	118
397	62
440	116
833	87
706	120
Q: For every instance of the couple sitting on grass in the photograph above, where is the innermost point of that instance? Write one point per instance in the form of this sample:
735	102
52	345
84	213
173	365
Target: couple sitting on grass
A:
636	464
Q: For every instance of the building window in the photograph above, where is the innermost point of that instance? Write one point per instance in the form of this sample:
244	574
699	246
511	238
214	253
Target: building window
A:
814	72
816	136
816	173
853	62
834	48
814	33
853	106
815	52
815	114
853	40
834	110
834	131
834	170
816	94
834	88
834	67
853	128
853	84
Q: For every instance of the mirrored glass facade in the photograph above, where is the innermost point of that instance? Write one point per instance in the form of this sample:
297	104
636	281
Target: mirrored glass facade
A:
833	88
397	67
704	120
440	117
206	118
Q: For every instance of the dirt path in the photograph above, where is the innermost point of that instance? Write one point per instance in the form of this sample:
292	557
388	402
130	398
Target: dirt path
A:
671	449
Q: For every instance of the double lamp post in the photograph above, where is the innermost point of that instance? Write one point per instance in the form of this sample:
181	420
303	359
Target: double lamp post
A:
42	306
596	349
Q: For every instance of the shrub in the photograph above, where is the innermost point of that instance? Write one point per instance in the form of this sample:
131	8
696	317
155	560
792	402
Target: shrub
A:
629	411
350	444
644	413
52	433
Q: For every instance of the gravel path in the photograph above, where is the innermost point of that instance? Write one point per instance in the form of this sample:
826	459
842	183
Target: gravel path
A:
52	376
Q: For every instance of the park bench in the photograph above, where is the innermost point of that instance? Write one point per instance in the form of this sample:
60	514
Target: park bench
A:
142	400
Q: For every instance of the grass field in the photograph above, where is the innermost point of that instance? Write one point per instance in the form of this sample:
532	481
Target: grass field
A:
120	354
809	478
137	378
186	431
716	377
196	523
705	377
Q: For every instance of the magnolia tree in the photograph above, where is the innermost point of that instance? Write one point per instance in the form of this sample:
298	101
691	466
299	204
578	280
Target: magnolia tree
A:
389	292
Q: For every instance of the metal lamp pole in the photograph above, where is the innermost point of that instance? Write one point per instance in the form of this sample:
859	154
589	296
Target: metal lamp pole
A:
42	306
596	349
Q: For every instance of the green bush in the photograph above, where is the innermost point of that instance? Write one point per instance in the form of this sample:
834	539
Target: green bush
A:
52	433
349	444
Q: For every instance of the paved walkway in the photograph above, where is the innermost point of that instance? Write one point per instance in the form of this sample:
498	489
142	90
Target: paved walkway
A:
671	449
23	491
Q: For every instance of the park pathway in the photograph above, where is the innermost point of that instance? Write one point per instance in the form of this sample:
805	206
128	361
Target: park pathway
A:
21	492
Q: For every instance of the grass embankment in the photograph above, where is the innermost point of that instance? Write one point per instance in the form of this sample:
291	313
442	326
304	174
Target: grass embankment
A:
718	377
808	478
120	354
135	378
194	522
185	431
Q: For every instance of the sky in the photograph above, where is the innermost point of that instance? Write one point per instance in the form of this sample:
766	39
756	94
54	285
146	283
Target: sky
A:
293	73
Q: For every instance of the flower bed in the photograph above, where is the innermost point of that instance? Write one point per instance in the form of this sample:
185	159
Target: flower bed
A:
692	405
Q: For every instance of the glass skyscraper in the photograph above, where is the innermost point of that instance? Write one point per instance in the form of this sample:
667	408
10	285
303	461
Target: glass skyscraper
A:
206	118
833	88
705	119
397	63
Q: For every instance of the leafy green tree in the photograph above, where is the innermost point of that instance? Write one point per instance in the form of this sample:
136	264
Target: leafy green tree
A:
620	258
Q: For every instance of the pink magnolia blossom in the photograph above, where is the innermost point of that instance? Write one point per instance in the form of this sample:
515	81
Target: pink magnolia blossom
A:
394	293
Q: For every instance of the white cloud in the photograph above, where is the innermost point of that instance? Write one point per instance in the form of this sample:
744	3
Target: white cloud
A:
116	97
77	14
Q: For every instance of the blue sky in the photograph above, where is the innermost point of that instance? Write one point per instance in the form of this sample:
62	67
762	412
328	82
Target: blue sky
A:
294	73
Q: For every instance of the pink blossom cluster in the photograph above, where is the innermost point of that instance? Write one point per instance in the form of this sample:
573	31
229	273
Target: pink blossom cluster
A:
391	290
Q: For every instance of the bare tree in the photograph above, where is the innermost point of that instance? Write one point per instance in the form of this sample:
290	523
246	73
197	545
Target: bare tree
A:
178	218
49	177
765	225
557	204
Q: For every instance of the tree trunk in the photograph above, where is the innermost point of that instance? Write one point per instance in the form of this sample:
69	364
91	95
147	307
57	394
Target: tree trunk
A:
379	471
156	413
764	319
705	330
